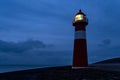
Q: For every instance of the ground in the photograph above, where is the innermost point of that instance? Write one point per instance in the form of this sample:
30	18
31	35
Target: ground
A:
100	71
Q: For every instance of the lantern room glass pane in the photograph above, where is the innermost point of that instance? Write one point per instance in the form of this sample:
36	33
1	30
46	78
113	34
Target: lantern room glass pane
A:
79	17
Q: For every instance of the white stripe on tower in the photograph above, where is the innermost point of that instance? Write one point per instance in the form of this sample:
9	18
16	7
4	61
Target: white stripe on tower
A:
80	34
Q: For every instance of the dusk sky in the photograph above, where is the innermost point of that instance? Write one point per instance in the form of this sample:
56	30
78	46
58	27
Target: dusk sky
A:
41	31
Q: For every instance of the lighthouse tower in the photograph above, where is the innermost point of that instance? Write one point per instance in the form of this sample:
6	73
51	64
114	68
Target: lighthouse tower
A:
80	59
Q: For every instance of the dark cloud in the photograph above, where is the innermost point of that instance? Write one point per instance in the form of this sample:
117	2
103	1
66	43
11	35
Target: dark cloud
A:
103	53
32	52
105	42
41	58
20	47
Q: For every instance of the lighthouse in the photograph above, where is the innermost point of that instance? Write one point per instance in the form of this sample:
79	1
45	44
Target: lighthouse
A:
80	59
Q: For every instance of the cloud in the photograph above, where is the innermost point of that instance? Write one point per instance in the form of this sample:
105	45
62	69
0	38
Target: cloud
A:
20	47
33	52
104	52
105	42
38	57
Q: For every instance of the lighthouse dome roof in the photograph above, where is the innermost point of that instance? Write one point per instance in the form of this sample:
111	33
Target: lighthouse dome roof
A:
80	12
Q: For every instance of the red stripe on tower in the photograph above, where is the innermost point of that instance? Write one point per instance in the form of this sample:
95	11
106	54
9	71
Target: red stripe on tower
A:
80	59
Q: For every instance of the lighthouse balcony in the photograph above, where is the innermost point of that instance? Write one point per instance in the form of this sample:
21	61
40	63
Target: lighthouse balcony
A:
78	22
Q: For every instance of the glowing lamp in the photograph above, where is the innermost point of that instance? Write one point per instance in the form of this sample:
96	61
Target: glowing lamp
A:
79	17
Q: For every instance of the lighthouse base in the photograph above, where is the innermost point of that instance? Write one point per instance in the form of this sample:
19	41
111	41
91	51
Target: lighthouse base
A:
78	67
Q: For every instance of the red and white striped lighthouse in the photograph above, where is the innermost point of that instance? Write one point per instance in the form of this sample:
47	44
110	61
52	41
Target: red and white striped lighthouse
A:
80	59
